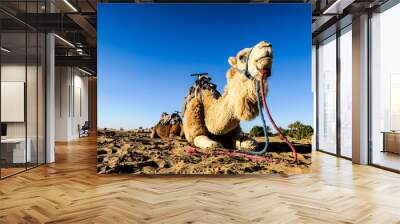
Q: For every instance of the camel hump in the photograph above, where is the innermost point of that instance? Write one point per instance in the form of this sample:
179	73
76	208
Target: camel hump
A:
202	83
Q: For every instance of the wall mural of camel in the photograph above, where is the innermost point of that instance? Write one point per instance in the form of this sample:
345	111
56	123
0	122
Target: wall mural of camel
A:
211	134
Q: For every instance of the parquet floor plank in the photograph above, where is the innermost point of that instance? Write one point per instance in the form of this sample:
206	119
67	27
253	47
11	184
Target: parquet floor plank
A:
70	191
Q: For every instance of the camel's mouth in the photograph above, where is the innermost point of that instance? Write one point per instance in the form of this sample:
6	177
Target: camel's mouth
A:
264	65
265	72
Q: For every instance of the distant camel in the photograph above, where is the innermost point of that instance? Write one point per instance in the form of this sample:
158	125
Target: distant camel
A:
169	126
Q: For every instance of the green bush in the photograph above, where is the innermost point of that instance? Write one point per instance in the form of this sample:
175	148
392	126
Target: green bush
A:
258	131
300	131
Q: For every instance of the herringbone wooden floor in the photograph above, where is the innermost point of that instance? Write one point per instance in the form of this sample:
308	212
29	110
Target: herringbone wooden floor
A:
70	191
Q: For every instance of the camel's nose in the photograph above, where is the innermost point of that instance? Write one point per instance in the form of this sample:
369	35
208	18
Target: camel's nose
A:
263	44
266	48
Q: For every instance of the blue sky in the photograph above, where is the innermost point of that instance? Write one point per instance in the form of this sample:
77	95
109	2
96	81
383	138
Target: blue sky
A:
146	53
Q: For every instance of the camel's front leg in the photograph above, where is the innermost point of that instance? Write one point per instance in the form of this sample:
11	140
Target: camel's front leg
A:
153	133
204	142
236	139
246	143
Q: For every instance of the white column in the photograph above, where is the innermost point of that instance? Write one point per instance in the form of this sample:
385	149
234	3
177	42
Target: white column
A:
360	90
50	99
62	103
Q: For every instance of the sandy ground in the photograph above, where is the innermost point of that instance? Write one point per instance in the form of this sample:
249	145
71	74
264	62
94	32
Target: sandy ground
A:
135	152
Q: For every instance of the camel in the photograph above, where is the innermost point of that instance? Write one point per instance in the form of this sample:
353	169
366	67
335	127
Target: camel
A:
169	126
213	121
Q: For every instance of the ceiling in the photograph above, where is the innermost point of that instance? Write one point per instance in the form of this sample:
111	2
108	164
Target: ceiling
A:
75	21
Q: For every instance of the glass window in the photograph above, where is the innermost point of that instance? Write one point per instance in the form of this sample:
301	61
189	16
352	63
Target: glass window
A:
14	150
22	92
346	92
385	88
327	95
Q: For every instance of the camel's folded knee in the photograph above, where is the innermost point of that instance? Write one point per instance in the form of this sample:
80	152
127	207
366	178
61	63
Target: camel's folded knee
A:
247	144
204	142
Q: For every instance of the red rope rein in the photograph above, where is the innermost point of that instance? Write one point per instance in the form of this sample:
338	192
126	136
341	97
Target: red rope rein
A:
294	152
192	150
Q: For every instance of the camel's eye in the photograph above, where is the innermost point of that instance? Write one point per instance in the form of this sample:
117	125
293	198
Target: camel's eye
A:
242	57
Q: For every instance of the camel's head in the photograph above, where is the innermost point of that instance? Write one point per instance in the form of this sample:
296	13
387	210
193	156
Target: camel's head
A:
256	61
175	118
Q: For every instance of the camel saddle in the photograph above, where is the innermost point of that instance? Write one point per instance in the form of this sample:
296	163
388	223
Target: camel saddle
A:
166	118
203	82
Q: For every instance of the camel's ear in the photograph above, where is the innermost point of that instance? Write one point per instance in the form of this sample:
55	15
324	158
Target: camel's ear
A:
232	61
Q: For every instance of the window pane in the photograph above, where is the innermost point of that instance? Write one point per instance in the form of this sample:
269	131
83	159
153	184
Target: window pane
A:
327	95
385	84
346	92
22	90
14	153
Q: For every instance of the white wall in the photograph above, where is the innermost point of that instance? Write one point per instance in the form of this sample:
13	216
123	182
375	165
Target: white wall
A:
62	82
71	102
16	72
13	101
80	110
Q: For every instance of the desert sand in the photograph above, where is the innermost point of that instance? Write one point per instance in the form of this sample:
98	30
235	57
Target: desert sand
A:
134	152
